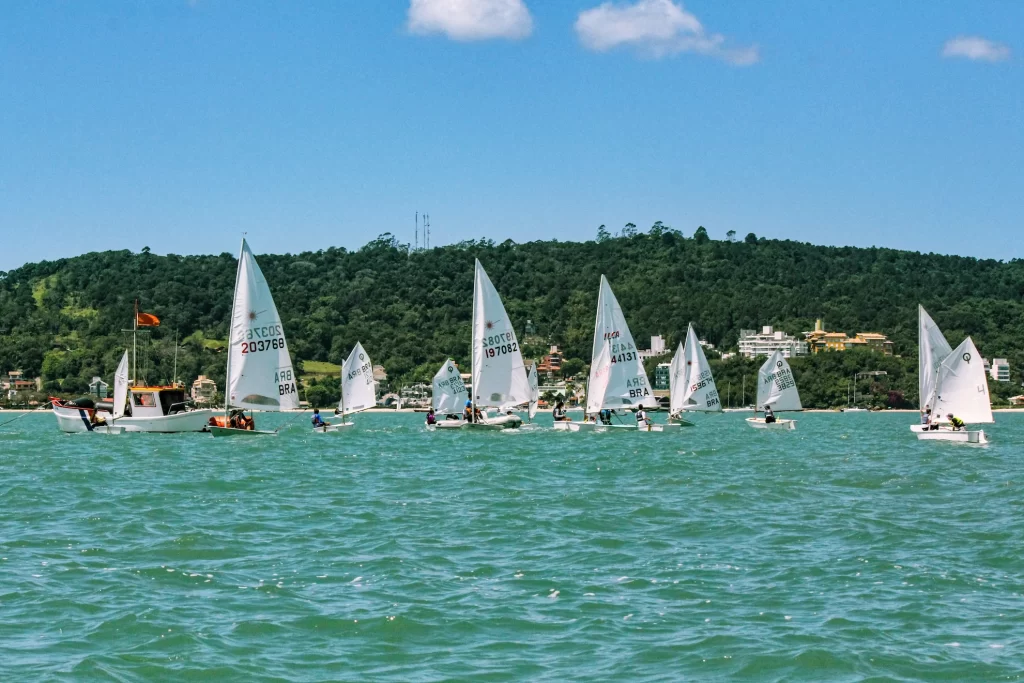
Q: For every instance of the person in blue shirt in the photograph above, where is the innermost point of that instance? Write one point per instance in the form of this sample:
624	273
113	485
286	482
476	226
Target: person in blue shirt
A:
317	420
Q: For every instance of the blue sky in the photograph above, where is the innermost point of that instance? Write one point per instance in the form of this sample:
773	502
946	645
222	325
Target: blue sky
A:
178	125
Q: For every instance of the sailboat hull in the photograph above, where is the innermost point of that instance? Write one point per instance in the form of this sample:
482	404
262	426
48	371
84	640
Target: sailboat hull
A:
496	423
332	428
759	423
230	431
975	436
602	428
71	420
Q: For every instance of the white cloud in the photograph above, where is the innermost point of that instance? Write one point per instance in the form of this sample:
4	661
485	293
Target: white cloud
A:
471	19
657	28
976	48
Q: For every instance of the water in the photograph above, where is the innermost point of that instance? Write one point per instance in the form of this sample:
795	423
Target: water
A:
843	551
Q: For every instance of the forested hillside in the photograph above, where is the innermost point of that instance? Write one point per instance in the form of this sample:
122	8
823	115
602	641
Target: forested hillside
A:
64	319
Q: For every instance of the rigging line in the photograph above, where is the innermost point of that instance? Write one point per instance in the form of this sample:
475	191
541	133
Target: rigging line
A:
298	415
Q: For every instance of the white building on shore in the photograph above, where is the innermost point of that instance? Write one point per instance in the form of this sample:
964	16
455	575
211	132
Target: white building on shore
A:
770	340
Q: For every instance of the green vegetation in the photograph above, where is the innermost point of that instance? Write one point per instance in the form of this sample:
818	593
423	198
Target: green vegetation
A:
63	319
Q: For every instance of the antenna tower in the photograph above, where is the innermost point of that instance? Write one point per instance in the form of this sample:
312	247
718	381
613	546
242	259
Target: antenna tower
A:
416	243
426	230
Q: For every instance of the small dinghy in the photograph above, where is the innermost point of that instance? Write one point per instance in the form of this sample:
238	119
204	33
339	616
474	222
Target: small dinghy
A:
358	391
950	382
691	384
259	367
776	389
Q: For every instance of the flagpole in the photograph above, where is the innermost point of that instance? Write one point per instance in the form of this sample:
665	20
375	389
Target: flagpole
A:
135	349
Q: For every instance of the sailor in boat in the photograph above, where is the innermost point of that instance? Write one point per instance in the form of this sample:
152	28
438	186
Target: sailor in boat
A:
318	421
926	418
955	422
238	420
559	413
471	414
605	416
431	418
641	418
769	415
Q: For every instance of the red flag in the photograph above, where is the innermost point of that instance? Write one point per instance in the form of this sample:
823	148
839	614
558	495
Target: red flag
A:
147	320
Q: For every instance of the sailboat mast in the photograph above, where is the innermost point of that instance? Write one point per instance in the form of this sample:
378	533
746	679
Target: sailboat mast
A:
174	379
231	331
472	349
343	420
135	350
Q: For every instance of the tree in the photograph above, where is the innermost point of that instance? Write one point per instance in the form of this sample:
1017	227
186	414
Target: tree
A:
602	234
572	367
629	230
731	235
701	235
751	238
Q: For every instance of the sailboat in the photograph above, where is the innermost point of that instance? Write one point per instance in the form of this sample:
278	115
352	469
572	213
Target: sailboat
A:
531	380
950	381
852	408
358	392
259	369
776	388
449	396
499	375
691	384
617	380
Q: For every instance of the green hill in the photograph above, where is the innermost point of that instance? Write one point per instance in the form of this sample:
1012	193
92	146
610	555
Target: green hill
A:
64	319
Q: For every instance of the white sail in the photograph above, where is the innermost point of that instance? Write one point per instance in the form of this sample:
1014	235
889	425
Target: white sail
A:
531	379
962	386
121	386
691	385
776	386
932	350
450	393
260	374
357	389
627	384
499	375
600	376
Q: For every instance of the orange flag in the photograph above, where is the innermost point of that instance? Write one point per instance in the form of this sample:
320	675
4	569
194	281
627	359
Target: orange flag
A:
147	320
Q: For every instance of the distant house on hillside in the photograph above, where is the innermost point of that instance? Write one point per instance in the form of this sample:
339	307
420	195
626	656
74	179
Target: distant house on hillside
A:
751	344
203	390
820	340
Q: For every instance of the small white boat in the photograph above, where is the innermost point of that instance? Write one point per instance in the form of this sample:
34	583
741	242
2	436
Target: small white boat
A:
950	381
780	423
856	410
499	374
944	433
259	367
691	384
332	427
776	388
358	391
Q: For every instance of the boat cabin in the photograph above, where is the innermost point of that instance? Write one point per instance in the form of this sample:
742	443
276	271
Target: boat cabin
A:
157	401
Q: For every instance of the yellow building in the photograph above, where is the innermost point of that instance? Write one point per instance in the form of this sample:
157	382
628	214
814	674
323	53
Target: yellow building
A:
820	340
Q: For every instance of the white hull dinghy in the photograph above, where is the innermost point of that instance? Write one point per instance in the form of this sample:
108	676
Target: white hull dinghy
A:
951	382
776	389
976	436
358	391
499	374
259	367
759	423
691	384
449	397
617	379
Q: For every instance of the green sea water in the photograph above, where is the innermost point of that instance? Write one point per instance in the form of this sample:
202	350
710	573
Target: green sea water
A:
843	551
